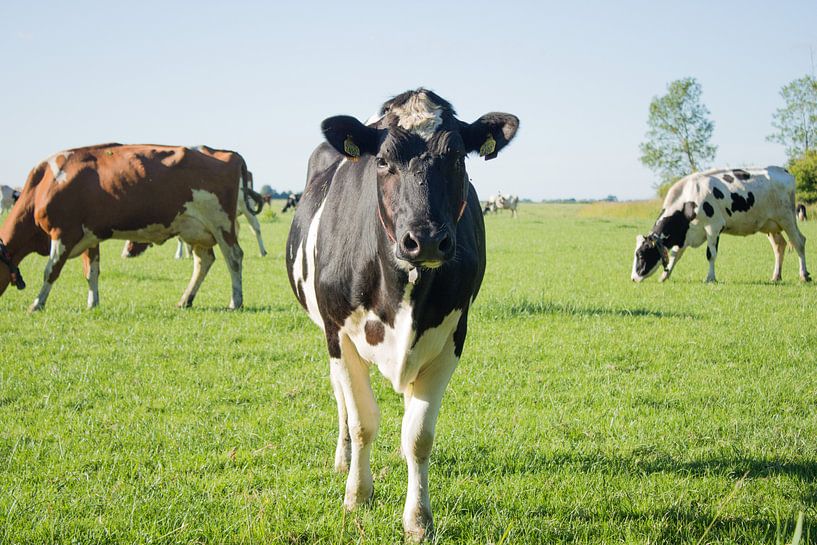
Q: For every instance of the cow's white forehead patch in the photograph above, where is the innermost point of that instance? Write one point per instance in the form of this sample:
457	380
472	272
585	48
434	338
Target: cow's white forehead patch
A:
420	115
56	162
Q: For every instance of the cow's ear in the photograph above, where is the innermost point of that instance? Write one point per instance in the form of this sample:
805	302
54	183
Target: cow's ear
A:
489	134
350	137
689	210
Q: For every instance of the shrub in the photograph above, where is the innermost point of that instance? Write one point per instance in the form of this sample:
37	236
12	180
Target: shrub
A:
804	170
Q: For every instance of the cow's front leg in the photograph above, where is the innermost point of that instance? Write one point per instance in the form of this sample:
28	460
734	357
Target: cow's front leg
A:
343	450
419	421
711	255
363	420
90	266
56	259
674	255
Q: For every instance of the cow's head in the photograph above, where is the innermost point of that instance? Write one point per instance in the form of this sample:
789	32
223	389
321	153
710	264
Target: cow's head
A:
415	153
669	231
650	251
9	273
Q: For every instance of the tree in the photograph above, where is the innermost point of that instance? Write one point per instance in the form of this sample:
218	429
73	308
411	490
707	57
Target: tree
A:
678	132
796	121
266	190
804	171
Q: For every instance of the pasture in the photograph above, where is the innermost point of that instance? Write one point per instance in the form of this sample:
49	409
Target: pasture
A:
586	409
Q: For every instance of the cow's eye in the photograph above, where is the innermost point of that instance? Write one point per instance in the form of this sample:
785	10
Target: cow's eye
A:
381	163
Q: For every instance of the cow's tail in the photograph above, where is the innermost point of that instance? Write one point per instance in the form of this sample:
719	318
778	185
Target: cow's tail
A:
250	195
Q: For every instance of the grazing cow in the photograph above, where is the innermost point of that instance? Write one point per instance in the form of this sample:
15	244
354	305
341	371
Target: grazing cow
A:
495	203
292	201
147	193
701	206
8	196
801	212
386	253
134	249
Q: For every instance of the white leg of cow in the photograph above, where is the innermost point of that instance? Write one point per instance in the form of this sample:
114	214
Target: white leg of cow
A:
90	265
203	259
419	423
711	255
56	259
343	450
674	255
799	242
254	225
183	249
233	255
363	418
779	247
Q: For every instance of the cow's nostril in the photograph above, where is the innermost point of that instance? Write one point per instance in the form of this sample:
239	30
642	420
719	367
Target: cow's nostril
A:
410	244
445	244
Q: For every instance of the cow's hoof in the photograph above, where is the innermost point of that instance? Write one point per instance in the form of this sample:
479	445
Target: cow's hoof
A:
711	281
185	304
664	277
418	532
356	498
36	307
806	278
776	279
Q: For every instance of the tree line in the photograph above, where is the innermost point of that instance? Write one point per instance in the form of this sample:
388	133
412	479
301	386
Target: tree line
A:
679	133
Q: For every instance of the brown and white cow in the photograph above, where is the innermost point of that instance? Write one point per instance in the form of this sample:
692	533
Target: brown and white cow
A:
148	193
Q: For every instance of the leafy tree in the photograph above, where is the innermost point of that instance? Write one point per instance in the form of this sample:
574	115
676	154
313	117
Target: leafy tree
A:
804	170
678	132
266	190
796	121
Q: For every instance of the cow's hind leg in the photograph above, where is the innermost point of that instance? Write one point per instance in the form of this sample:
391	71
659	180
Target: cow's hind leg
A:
183	249
797	240
90	266
363	419
234	255
712	239
779	247
203	259
56	260
419	422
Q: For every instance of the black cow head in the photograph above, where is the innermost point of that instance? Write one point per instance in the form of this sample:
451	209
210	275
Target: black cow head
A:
415	153
669	231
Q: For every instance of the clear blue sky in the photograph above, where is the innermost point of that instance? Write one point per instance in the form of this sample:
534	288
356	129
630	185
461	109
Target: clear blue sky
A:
259	77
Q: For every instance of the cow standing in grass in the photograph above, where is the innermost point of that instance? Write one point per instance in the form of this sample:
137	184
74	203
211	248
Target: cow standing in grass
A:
8	196
386	253
77	198
701	206
801	212
292	202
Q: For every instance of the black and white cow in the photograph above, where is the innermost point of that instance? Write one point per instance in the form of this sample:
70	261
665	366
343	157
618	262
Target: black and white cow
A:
292	202
701	206
8	196
386	253
800	210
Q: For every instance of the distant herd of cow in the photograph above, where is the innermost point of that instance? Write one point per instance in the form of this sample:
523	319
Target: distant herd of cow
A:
386	251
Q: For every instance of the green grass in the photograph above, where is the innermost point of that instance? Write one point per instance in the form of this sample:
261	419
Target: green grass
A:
586	409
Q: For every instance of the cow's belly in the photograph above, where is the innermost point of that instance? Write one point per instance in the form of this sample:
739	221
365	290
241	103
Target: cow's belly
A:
393	348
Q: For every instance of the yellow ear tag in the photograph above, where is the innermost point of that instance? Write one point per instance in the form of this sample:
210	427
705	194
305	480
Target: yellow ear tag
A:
488	147
350	149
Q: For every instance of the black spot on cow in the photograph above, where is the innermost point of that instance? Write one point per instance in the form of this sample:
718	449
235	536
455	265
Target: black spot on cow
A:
728	212
741	174
728	179
717	192
708	209
708	254
741	204
718	241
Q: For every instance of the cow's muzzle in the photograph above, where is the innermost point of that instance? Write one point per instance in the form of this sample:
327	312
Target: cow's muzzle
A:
425	249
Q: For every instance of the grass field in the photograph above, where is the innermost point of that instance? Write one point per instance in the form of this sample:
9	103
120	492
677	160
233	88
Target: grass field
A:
586	409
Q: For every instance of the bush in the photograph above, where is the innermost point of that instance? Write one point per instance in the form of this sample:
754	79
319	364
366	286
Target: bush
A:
804	170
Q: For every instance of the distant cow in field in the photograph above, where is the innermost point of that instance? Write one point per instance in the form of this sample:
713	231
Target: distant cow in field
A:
386	253
77	198
498	202
134	249
801	212
292	201
701	206
8	196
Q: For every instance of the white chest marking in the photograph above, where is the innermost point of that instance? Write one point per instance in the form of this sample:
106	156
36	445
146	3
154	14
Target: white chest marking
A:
397	356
